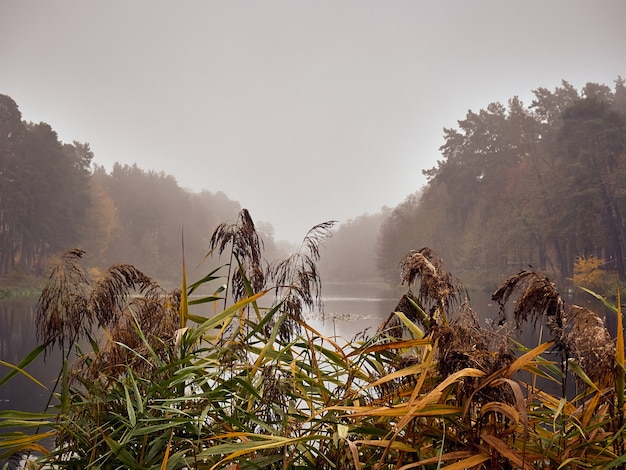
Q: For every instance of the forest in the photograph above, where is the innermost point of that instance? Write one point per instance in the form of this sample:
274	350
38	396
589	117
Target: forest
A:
207	376
539	186
54	197
516	186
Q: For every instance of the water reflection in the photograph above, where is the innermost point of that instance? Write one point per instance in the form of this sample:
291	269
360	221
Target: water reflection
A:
17	339
350	309
348	316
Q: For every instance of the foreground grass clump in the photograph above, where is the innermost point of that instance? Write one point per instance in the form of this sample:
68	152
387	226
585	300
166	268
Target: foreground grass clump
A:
244	383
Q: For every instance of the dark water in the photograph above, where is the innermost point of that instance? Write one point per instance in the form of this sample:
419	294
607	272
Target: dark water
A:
349	310
17	340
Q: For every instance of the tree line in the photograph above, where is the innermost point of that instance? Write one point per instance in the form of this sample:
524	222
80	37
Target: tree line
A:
516	186
44	187
53	197
541	185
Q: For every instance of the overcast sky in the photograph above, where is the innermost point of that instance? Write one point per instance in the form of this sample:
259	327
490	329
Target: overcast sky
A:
303	111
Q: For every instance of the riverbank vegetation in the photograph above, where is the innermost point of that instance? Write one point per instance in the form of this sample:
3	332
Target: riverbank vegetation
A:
222	371
19	284
539	185
54	196
236	379
517	185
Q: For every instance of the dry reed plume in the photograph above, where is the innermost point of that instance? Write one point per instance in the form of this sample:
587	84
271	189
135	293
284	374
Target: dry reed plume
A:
297	281
124	302
578	333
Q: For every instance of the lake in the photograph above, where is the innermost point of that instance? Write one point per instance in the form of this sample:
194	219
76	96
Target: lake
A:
349	309
17	339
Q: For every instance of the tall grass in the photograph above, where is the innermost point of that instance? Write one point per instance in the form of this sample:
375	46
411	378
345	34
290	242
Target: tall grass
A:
238	384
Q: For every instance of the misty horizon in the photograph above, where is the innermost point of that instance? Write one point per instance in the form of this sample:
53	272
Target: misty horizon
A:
301	112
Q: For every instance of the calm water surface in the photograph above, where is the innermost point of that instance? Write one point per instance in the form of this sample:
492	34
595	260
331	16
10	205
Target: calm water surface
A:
17	339
349	310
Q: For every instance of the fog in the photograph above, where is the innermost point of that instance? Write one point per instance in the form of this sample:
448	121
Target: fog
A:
300	111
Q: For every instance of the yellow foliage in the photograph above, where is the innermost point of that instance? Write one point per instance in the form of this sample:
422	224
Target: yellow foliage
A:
588	273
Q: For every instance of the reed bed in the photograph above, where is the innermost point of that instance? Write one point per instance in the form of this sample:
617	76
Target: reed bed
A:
235	385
